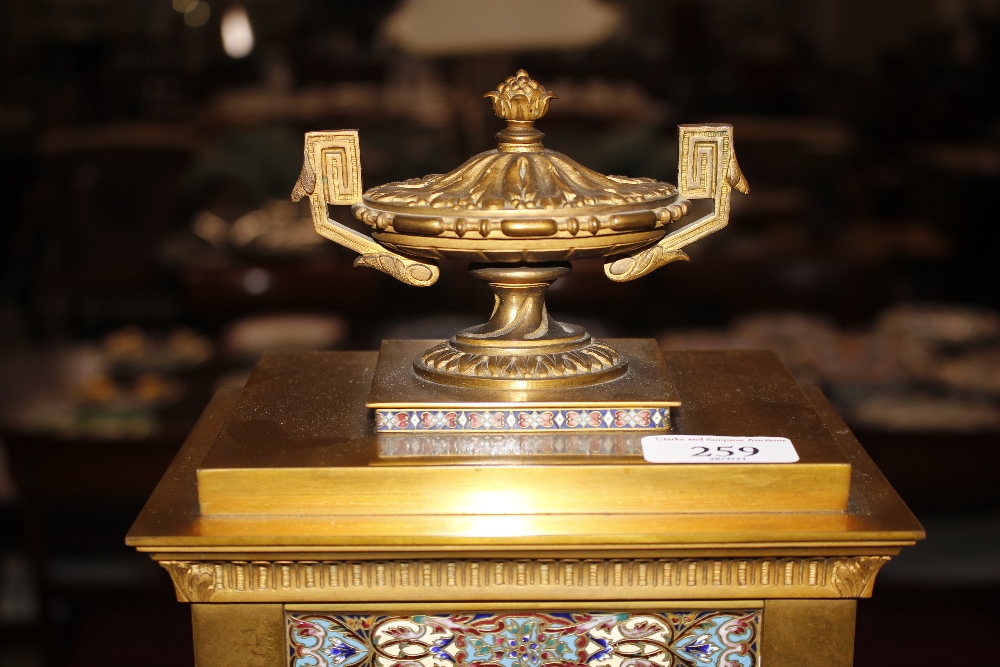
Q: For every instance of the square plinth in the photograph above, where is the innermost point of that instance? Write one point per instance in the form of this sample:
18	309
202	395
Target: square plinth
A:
639	400
775	588
301	441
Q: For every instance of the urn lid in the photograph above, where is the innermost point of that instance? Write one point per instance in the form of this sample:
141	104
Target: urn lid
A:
520	189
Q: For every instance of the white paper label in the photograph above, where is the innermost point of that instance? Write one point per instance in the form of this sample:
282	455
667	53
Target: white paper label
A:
717	449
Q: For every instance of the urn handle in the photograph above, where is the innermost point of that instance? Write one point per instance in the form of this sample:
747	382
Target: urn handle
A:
331	174
706	169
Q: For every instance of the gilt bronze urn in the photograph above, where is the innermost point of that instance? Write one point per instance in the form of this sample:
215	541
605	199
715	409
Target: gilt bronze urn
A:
519	214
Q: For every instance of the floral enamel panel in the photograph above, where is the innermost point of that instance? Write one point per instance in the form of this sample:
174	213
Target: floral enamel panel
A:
526	639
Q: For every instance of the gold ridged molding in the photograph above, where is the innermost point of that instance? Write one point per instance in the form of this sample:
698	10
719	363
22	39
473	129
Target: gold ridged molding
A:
523	579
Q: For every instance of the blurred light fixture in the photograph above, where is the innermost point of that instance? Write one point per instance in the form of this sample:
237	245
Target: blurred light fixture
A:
196	14
435	28
256	281
237	33
182	6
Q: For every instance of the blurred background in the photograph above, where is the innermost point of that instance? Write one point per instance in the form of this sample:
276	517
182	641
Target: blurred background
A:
150	255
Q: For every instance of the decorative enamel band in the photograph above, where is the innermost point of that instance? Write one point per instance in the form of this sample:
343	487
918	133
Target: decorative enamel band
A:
577	419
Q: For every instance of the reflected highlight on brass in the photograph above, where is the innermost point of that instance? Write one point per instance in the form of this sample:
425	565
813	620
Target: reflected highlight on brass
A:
520	213
446	445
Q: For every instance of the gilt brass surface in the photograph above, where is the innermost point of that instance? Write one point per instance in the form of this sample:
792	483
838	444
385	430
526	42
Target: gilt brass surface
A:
510	580
520	212
646	384
580	560
299	436
171	527
808	632
239	635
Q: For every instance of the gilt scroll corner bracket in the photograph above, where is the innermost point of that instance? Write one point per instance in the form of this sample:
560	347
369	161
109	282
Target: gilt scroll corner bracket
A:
403	269
624	268
335	155
706	169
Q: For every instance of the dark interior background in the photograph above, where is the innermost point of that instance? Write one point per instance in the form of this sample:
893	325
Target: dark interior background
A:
149	254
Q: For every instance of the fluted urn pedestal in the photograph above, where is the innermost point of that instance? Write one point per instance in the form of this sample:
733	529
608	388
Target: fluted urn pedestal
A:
521	344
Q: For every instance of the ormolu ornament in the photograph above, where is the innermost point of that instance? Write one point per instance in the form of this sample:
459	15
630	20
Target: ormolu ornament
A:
519	214
307	521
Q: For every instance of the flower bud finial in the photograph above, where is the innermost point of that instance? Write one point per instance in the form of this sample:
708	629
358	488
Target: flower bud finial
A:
520	98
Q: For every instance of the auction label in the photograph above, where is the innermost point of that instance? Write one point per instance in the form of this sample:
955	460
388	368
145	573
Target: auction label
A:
717	449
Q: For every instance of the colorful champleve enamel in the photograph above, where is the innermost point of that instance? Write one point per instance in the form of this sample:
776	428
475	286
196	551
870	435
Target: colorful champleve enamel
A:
526	639
388	421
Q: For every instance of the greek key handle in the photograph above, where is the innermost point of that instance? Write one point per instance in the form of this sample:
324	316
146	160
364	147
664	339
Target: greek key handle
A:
706	169
333	157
